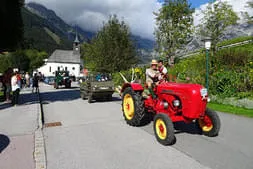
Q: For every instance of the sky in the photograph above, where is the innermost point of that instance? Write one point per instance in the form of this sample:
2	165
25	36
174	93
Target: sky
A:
138	14
197	3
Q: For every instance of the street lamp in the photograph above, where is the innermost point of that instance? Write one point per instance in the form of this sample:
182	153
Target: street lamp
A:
207	41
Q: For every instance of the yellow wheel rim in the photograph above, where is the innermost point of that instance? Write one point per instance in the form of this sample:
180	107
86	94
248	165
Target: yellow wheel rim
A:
205	126
161	129
128	106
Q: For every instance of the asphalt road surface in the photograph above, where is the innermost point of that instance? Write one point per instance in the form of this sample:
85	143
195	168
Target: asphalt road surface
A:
96	136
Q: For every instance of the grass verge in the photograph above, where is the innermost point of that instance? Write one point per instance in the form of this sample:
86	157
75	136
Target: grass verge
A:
231	109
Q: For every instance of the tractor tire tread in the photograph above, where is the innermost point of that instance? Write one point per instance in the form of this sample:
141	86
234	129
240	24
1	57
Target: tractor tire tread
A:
138	107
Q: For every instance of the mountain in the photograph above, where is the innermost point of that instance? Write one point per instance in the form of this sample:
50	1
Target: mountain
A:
239	30
41	34
53	24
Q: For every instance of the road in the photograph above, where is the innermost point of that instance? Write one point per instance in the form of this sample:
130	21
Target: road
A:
96	136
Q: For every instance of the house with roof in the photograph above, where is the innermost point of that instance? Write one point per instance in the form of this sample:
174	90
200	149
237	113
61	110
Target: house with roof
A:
68	60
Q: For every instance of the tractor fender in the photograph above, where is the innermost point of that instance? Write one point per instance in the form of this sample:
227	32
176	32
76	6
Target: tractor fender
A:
134	86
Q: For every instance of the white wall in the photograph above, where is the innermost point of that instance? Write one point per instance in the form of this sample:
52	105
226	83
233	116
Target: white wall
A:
74	69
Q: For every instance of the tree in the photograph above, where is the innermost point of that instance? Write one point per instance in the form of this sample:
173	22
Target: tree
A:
217	17
19	60
11	29
5	62
24	60
36	58
174	26
112	49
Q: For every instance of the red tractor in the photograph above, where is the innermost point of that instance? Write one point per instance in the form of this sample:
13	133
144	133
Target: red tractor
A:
174	102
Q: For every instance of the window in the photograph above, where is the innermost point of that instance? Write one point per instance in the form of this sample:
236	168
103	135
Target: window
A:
58	68
73	68
66	68
50	69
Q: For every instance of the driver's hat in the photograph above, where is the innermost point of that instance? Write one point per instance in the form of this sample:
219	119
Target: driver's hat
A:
154	62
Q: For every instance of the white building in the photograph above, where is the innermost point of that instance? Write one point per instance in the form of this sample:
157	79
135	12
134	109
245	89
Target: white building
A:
68	60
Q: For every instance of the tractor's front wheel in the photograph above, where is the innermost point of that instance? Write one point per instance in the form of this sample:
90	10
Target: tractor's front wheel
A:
164	129
210	123
132	107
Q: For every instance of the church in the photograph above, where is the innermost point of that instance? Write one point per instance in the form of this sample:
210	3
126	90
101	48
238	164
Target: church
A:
68	60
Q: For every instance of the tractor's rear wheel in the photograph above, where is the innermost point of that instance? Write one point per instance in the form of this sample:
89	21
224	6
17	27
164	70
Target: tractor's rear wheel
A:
164	129
132	107
210	123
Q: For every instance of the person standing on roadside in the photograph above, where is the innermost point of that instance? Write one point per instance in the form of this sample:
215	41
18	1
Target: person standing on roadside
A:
15	89
7	84
27	80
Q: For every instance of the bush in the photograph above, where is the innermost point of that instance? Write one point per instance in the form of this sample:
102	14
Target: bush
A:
230	71
191	69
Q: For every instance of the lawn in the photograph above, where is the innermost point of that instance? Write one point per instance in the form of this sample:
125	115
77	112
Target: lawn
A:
231	109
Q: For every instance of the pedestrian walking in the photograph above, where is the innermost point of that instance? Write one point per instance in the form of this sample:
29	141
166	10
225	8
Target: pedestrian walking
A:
15	89
35	83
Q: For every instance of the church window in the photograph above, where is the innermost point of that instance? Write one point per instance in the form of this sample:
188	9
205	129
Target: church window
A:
73	68
50	69
66	68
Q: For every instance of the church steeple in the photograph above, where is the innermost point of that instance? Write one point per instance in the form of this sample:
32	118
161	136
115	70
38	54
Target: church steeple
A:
76	45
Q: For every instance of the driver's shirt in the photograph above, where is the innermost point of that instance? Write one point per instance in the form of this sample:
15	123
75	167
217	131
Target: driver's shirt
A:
150	75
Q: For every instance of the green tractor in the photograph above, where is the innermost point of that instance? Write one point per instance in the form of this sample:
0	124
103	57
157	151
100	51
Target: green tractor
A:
62	79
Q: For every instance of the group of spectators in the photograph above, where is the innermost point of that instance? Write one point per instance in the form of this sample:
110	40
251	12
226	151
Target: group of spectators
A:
14	81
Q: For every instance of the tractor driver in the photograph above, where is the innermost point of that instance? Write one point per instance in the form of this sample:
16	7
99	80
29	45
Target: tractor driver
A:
152	76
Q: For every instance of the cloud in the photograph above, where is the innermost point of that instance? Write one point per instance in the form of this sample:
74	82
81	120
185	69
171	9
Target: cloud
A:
238	7
138	14
90	15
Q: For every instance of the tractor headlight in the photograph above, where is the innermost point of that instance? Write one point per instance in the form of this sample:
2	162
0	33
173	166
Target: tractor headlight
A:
176	103
203	92
165	105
